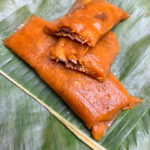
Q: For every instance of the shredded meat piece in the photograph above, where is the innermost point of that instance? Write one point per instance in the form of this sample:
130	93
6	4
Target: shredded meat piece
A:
64	31
79	66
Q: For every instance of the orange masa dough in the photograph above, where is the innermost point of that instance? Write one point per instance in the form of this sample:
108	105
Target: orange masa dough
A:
93	101
94	61
67	50
88	23
76	6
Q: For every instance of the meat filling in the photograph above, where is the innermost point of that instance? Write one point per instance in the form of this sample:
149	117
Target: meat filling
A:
64	31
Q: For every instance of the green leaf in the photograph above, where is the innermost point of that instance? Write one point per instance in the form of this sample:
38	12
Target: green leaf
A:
131	128
25	124
50	9
9	6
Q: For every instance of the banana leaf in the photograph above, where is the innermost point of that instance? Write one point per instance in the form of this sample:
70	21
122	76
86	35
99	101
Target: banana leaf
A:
131	128
7	7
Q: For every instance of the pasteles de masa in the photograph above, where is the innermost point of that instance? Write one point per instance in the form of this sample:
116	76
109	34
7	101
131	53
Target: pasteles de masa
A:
94	102
94	61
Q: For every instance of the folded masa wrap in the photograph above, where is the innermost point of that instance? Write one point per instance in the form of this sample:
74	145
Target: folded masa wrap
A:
88	23
95	61
96	103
